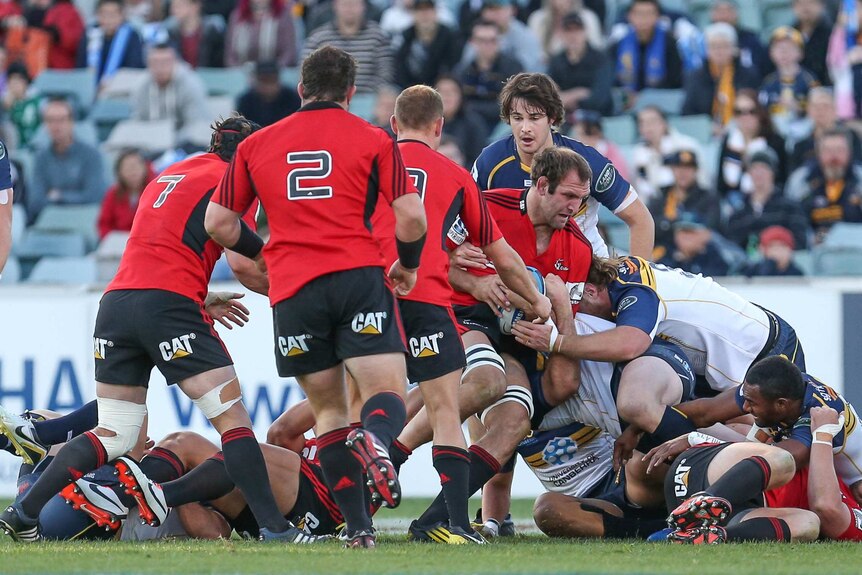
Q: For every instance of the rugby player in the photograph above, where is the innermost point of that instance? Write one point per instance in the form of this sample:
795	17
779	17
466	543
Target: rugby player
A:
30	438
531	105
5	206
155	313
318	174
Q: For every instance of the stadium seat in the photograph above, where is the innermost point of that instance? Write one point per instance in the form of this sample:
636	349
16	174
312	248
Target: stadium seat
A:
71	270
804	260
78	84
774	13
19	222
844	235
151	136
363	105
221	106
621	130
198	133
123	84
11	272
37	243
224	81
80	219
108	255
617	232
842	261
698	127
289	77
749	13
668	101
709	159
85	131
108	113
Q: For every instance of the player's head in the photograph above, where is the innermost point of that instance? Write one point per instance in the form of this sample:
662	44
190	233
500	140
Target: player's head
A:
561	178
328	75
595	299
773	391
531	105
228	133
419	109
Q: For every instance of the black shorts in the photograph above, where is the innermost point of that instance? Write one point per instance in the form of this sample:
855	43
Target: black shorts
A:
478	317
688	475
673	355
640	521
139	329
335	317
315	510
434	347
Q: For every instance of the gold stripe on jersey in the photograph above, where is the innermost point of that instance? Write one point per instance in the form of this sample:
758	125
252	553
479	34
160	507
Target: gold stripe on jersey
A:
527	169
497	167
580	437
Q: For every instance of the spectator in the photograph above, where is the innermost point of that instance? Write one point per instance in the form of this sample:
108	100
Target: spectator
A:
830	189
584	75
111	44
683	200
763	205
546	23
646	56
712	89
657	140
354	33
261	30
21	103
750	131
132	173
466	129
143	12
398	17
449	147
223	8
751	53
776	247
384	108
198	38
10	16
48	35
268	100
428	48
516	39
844	60
172	91
785	91
70	171
699	250
814	25
822	116
587	128
483	76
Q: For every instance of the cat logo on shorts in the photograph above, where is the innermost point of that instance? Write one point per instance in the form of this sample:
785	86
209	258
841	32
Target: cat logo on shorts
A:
178	347
369	323
680	479
100	346
426	345
293	344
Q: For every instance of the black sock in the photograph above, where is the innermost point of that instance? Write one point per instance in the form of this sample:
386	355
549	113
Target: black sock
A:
483	466
384	415
453	466
344	477
79	456
625	528
207	481
760	529
246	467
398	454
162	465
62	429
743	481
673	424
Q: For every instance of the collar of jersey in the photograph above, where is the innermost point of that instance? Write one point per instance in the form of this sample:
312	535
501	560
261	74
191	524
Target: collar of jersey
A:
321	105
412	141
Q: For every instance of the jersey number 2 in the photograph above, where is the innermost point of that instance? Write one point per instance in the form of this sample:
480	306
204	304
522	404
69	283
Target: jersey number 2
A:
298	178
172	182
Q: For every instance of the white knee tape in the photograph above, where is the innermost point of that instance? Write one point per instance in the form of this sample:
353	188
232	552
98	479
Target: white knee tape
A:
211	404
482	354
517	394
125	419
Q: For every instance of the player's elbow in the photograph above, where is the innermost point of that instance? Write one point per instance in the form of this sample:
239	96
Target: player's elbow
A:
632	343
410	217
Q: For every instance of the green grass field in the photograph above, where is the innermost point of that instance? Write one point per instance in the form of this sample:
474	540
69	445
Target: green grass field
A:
525	554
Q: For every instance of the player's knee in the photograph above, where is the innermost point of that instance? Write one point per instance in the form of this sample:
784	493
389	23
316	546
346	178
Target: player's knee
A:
485	373
804	526
119	426
549	519
181	442
783	466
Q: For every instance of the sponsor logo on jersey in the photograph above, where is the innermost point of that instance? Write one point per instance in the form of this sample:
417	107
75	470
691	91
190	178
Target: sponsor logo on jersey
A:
457	234
680	479
369	323
626	303
292	345
426	345
528	182
177	347
857	518
560	450
606	179
560	265
100	346
576	292
2	151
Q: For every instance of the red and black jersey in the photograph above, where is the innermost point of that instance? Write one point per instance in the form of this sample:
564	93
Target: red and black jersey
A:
168	247
318	174
569	252
448	191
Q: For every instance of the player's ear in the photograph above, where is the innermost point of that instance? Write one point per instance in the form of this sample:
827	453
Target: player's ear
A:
542	185
393	123
438	127
300	89
350	92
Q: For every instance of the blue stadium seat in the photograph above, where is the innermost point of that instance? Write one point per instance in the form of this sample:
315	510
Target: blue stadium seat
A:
152	136
668	101
79	85
774	13
19	222
224	81
804	260
37	243
842	261
363	105
617	236
60	270
844	235
80	219
621	130
11	272
698	127
108	113
289	77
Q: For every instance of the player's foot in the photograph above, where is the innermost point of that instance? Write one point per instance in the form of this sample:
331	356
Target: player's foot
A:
460	536
700	509
363	539
382	479
16	525
703	535
292	535
492	528
660	536
22	437
97	501
434	533
148	494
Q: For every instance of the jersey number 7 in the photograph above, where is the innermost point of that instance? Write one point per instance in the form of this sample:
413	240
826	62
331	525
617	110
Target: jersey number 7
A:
172	182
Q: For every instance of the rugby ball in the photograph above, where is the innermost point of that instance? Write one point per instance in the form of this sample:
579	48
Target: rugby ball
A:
508	319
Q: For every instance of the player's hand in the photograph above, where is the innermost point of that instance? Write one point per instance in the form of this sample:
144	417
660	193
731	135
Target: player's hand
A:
822	416
542	309
403	279
534	335
492	291
224	308
625	445
469	256
666	452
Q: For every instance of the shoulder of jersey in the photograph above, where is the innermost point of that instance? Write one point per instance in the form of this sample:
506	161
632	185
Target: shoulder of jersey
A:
497	148
588	152
509	198
573	228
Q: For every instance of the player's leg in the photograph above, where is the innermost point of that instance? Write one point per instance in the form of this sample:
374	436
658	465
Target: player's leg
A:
31	437
767	524
559	515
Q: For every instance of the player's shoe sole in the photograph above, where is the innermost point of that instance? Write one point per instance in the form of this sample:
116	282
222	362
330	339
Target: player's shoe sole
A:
82	497
293	535
12	426
700	510
382	479
15	527
148	495
704	535
365	539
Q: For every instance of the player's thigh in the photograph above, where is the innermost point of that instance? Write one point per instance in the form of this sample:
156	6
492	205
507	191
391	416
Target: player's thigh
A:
661	375
434	347
688	474
781	463
804	524
559	515
326	392
120	356
282	466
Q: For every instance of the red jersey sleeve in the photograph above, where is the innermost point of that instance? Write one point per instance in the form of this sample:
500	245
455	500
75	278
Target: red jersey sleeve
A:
393	177
477	218
235	190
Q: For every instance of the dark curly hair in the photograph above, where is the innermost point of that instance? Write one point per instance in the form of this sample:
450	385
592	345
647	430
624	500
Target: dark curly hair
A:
538	91
228	133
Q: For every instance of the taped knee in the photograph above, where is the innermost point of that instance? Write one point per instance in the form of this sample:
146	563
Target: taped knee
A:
125	420
516	394
482	354
213	404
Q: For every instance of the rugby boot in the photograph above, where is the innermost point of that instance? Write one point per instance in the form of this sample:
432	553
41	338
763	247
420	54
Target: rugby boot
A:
460	536
382	479
493	528
660	536
292	535
22	437
16	525
97	501
362	539
700	509
435	533
703	535
147	494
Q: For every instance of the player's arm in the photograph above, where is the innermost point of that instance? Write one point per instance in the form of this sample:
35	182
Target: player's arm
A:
289	429
824	494
511	269
247	272
708	411
641	227
562	377
5	226
232	198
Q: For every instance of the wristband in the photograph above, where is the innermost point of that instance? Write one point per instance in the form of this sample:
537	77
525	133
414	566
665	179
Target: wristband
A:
555	333
697	438
821	442
409	253
560	346
249	243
